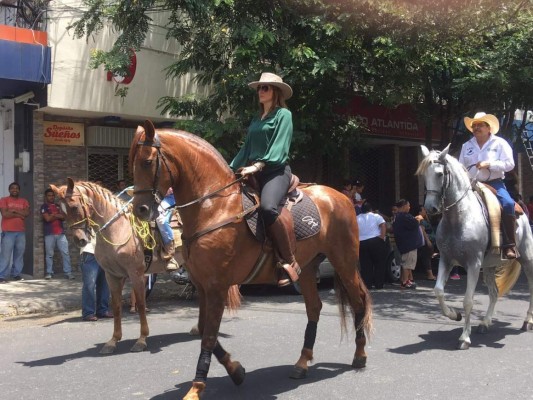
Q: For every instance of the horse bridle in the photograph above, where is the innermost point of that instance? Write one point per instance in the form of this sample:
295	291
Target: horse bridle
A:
158	196
86	214
445	186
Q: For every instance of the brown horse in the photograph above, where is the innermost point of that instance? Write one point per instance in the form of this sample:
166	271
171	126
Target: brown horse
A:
220	251
119	248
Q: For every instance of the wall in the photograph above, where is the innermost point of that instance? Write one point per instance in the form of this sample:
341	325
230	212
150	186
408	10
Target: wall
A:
77	87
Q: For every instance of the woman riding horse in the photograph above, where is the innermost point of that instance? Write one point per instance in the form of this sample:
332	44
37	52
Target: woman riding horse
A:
492	157
266	148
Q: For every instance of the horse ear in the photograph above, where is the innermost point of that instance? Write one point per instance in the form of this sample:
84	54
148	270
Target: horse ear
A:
70	185
54	188
149	129
425	150
444	153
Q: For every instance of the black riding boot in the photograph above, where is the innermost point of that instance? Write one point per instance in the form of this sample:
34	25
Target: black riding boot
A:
509	239
282	234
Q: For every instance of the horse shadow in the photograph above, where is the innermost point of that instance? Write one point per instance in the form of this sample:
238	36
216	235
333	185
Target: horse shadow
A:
271	382
448	340
156	344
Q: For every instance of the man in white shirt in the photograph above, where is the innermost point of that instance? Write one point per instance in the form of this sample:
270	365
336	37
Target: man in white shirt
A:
487	158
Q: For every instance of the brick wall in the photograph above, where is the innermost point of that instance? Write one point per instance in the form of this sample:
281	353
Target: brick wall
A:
52	165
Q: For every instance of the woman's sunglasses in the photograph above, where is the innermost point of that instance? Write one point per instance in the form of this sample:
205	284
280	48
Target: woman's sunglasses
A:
263	88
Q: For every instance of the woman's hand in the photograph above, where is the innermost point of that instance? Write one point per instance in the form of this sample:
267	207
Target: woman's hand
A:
252	169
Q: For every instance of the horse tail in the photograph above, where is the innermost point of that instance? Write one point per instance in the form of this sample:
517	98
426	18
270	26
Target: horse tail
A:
343	300
233	299
506	276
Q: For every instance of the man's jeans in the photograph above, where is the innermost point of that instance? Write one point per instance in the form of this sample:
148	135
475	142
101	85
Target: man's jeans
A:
163	219
12	243
95	292
50	243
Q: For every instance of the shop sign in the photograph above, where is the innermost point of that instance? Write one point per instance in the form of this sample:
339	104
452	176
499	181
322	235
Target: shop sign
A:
399	122
63	134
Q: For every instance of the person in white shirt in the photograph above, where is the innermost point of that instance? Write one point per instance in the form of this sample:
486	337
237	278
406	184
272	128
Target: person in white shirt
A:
373	250
487	158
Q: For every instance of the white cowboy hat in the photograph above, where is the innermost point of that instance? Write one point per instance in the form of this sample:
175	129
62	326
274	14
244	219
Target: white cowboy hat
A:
268	78
482	117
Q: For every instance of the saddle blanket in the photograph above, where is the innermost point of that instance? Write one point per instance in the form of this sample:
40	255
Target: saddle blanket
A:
305	214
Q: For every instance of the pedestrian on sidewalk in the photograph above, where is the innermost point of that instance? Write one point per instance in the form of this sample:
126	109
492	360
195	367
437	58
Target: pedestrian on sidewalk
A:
95	292
14	210
54	235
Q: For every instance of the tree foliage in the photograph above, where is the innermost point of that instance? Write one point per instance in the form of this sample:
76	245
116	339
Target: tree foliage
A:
447	58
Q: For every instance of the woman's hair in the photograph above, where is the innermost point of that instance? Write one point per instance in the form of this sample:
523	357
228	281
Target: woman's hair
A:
277	100
401	203
419	209
366	207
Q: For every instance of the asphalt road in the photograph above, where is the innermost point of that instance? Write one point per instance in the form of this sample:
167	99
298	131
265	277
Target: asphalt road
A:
411	354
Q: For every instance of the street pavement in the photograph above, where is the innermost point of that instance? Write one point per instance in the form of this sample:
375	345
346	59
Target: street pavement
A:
411	354
40	296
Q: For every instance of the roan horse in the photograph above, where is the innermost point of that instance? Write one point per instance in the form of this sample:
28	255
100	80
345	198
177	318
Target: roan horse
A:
119	247
463	238
220	251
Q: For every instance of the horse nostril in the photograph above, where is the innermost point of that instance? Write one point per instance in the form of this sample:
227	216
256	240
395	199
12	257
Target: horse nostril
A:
143	209
82	242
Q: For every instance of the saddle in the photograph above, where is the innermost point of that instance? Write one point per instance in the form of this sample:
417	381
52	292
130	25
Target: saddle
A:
494	209
304	212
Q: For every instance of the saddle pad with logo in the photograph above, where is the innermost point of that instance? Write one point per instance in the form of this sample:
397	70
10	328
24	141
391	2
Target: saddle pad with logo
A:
305	214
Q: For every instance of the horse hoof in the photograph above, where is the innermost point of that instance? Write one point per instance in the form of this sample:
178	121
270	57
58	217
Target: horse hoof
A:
359	362
238	374
194	331
462	345
298	373
482	329
138	347
458	317
108	349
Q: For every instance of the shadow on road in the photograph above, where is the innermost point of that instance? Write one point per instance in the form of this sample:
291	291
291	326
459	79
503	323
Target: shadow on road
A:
269	382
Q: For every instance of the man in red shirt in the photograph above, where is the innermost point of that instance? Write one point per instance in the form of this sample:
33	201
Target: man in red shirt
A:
14	210
54	235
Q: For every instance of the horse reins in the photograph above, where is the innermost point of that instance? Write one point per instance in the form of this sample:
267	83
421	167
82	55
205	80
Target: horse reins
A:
156	143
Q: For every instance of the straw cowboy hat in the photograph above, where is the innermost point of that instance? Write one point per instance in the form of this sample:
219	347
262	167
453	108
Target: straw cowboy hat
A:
482	117
268	78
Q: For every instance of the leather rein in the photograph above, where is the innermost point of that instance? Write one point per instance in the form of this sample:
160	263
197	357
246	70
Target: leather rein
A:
445	186
158	196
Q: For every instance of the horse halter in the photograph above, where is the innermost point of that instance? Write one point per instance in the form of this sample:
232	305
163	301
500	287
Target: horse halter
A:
85	206
158	196
156	143
445	185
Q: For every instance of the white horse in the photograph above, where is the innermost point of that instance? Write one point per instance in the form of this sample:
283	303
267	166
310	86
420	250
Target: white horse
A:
463	238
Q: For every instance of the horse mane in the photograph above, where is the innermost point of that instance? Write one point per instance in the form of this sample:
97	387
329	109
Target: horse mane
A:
103	194
133	149
433	156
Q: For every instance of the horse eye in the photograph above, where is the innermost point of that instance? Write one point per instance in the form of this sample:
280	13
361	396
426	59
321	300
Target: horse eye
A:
147	163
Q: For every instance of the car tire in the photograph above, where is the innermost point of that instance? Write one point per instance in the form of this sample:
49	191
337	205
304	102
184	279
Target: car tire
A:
393	269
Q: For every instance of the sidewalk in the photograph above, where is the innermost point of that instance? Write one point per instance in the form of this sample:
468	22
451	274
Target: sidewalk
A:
40	296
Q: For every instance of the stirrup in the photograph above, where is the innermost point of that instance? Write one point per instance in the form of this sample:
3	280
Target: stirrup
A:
291	273
172	265
510	253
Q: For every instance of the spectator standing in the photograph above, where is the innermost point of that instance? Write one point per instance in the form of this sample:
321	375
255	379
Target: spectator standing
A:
349	191
95	291
54	235
121	192
373	250
409	238
358	196
425	253
14	210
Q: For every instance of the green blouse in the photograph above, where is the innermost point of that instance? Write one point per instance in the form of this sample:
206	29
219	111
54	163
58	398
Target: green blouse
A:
268	140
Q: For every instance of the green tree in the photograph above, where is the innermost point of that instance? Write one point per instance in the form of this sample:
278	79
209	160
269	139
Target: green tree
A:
445	57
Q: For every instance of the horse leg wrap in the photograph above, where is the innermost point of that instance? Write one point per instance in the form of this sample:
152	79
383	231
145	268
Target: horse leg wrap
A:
204	361
219	351
310	335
